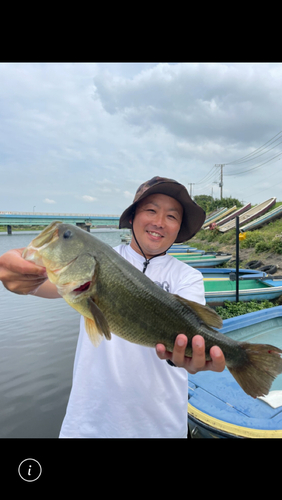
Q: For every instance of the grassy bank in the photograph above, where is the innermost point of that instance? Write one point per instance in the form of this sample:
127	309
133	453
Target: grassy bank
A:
3	229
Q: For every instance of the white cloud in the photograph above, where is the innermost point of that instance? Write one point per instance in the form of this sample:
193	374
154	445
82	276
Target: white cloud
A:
47	200
88	198
127	194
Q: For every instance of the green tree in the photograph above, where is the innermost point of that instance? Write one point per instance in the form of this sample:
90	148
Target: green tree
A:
206	202
209	204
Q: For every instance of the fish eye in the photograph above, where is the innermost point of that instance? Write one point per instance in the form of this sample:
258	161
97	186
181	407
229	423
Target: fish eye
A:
67	234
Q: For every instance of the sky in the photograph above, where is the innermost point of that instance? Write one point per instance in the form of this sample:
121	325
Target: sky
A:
81	137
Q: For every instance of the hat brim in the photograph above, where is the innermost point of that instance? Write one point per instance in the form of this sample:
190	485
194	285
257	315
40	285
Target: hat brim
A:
193	215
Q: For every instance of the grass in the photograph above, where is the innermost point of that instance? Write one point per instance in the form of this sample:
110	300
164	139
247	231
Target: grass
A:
3	229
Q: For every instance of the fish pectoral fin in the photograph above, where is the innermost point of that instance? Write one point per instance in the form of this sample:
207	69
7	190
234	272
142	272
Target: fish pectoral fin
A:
91	328
205	313
98	326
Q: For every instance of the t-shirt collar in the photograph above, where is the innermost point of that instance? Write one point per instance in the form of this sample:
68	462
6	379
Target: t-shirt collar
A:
140	257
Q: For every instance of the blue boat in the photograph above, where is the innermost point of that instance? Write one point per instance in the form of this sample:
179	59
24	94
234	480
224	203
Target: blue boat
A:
206	260
184	250
227	272
218	407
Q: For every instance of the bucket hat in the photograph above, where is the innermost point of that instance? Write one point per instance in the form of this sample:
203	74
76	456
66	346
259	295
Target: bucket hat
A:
193	215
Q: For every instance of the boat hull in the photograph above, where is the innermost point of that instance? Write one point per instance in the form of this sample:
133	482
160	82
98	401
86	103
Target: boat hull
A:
250	215
271	216
204	261
218	407
220	290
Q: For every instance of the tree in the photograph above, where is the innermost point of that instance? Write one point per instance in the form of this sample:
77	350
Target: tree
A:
209	204
206	202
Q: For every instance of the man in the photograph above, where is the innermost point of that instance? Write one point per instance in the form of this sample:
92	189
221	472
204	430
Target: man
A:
122	389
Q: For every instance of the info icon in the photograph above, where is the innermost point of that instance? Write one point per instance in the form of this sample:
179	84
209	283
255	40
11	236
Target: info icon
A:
29	470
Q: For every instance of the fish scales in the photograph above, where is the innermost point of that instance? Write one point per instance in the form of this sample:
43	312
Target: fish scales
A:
132	315
135	316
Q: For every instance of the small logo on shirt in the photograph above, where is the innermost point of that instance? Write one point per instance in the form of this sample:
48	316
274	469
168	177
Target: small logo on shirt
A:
164	285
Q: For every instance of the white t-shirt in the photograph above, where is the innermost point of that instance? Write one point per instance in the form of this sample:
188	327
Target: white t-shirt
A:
123	390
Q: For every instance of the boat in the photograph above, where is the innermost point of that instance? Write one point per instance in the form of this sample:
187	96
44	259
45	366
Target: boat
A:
248	216
227	273
126	238
218	407
219	289
182	249
238	212
215	213
218	217
208	259
271	216
190	251
210	218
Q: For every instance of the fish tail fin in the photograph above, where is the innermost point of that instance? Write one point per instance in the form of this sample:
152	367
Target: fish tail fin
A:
262	364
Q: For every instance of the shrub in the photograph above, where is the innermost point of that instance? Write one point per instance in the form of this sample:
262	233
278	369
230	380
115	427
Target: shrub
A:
252	238
276	245
232	309
262	246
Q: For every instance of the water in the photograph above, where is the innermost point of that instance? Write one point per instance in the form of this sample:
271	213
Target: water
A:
37	346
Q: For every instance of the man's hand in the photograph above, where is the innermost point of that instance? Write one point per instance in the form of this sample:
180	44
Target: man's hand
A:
18	275
198	361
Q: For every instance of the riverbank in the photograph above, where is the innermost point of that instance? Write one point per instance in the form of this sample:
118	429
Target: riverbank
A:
264	244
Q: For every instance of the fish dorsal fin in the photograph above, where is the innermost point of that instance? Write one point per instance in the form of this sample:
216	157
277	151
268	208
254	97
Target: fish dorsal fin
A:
98	326
205	313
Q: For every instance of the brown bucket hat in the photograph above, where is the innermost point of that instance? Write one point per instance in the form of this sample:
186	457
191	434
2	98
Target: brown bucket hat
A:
193	215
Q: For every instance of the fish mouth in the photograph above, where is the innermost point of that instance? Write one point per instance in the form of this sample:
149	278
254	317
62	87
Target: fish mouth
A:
47	236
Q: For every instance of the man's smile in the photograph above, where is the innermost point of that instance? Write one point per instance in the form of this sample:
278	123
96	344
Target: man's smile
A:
155	234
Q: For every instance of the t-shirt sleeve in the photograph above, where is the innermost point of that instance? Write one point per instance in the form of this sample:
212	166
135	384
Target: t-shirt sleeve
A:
191	286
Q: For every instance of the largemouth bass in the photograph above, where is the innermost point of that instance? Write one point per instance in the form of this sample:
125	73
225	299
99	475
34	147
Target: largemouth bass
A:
114	296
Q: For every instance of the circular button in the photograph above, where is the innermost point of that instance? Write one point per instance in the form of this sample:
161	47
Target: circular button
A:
29	470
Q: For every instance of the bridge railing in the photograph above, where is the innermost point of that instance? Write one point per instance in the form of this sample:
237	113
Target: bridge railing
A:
58	214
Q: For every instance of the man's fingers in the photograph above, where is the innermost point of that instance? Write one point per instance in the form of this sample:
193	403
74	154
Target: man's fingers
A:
217	359
178	354
22	266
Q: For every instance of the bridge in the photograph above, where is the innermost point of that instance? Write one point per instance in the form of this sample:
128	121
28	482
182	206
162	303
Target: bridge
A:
12	219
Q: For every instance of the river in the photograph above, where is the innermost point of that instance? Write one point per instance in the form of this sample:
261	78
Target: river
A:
37	346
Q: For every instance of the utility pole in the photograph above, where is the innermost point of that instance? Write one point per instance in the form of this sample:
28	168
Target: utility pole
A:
191	184
221	177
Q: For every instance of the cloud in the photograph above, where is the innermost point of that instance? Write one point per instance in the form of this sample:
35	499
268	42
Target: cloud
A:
101	128
47	200
197	100
127	194
87	198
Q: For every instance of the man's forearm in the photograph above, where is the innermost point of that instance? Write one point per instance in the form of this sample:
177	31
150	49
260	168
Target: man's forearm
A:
47	291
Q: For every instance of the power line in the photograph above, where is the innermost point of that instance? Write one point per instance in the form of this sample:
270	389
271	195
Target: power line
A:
254	168
249	156
210	174
262	150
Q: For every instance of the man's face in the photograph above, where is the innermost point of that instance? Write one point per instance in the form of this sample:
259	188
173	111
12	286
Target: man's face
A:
156	224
